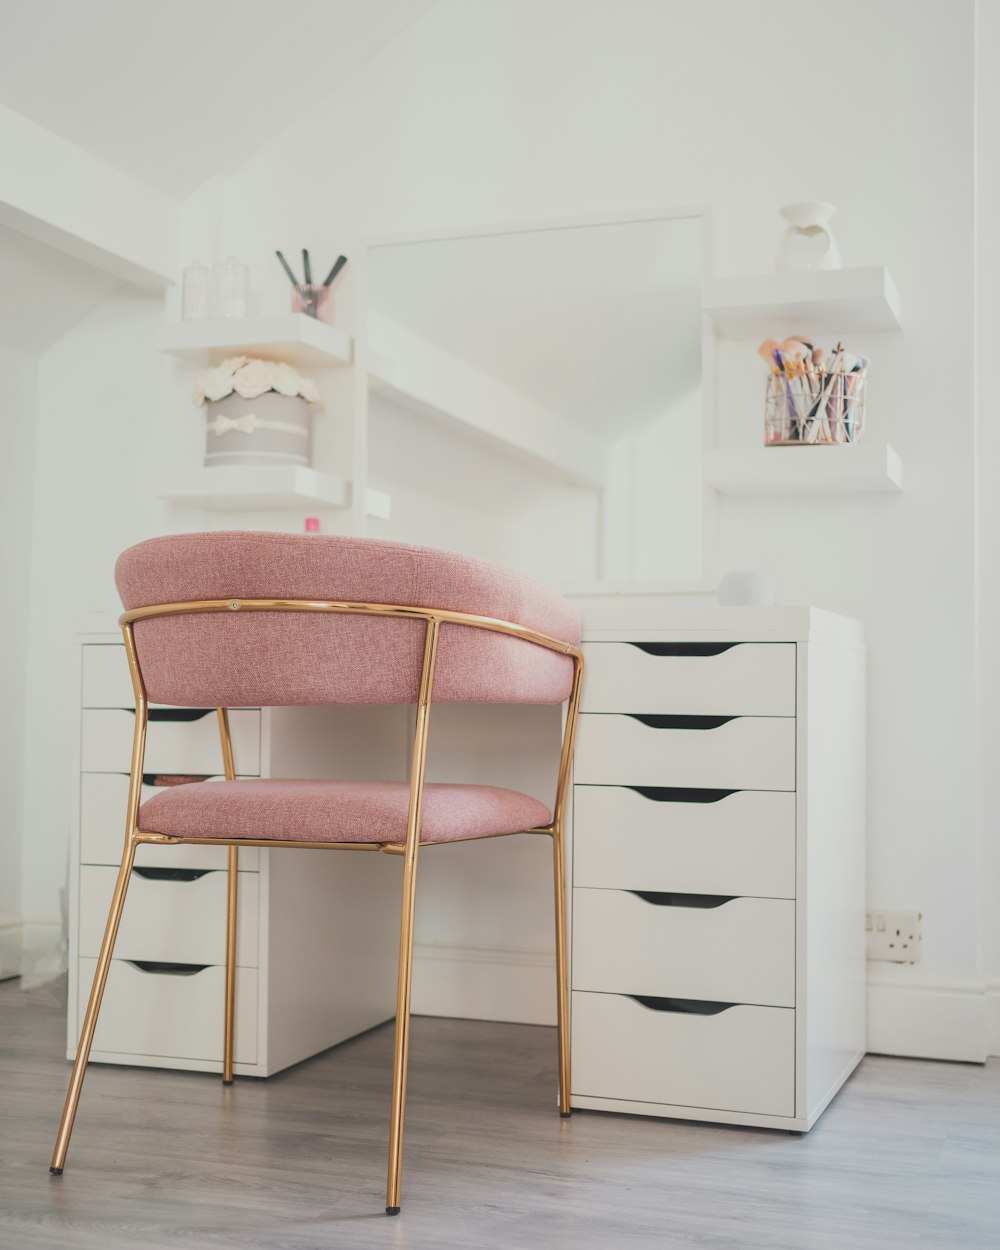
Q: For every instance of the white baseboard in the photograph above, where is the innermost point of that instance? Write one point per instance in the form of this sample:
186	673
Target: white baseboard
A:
43	953
907	1016
11	949
484	984
993	1018
920	1019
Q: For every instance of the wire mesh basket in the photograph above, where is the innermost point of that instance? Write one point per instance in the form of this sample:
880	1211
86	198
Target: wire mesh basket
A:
810	407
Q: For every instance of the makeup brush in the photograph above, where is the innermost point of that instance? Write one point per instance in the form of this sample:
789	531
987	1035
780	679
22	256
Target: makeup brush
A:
821	403
793	411
284	264
339	263
794	351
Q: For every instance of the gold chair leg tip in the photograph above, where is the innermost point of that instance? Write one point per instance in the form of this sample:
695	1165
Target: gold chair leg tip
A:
392	1210
56	1171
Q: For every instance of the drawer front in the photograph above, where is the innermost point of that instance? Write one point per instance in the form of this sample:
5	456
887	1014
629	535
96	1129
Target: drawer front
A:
169	1014
744	753
170	920
739	950
172	746
740	1059
661	839
694	679
103	804
106	680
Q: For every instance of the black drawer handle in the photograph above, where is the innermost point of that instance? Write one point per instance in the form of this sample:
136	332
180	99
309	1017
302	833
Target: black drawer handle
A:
178	714
171	874
705	902
684	648
683	1006
159	968
680	794
681	722
172	779
172	714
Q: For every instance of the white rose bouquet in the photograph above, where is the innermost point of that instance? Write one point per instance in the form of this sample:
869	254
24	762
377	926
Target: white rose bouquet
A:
251	378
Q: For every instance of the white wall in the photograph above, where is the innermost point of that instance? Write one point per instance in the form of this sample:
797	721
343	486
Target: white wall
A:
493	111
17	426
487	111
100	442
987	493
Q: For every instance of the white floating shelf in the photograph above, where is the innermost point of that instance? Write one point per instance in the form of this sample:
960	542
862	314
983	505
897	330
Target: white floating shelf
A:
239	488
293	337
856	469
827	302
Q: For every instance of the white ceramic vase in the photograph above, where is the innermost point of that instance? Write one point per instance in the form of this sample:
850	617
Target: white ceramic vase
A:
808	243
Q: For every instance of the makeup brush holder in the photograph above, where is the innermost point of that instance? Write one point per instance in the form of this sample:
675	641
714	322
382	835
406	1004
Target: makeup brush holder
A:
805	408
314	301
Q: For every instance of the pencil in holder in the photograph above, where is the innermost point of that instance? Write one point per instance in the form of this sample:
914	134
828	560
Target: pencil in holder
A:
811	407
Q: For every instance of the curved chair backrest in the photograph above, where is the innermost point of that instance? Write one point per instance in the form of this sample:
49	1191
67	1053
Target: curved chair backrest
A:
243	657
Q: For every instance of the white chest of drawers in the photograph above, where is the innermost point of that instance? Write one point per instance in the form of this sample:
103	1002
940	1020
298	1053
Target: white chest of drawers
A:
717	954
317	931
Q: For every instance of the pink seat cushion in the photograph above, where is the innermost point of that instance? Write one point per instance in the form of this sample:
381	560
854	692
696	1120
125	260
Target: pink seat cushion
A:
335	811
247	658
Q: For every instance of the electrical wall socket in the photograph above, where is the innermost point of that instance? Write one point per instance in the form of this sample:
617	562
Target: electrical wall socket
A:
894	936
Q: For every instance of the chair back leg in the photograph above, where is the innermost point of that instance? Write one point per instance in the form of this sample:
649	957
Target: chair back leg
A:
559	881
229	1019
229	1028
562	964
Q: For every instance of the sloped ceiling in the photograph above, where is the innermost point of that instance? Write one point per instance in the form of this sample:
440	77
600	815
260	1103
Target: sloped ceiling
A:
43	293
174	93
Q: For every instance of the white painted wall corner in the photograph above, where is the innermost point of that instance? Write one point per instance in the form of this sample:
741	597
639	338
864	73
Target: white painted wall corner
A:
11	945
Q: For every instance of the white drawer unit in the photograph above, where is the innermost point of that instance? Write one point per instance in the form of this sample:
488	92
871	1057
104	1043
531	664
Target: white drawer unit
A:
687	840
694	679
735	950
296	912
104	677
174	914
164	1011
178	740
717	945
694	1056
705	752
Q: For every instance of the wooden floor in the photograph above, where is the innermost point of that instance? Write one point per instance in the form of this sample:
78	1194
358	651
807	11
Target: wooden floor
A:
908	1155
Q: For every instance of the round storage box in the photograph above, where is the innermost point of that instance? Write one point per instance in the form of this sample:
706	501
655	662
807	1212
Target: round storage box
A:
271	429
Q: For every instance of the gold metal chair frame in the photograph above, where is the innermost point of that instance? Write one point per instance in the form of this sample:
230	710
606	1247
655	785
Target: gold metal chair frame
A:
434	619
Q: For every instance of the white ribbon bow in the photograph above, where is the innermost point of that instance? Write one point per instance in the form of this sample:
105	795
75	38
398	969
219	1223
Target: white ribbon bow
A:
250	422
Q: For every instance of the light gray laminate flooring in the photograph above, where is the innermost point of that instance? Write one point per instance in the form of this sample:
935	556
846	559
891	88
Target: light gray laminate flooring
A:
908	1155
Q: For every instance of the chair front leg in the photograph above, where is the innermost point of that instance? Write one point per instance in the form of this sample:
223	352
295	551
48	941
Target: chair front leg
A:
93	1008
401	1053
562	965
229	1030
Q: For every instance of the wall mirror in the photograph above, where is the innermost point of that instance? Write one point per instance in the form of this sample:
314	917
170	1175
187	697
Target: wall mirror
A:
535	396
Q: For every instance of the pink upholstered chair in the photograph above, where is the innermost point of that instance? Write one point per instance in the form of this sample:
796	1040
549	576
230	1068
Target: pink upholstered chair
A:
237	619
